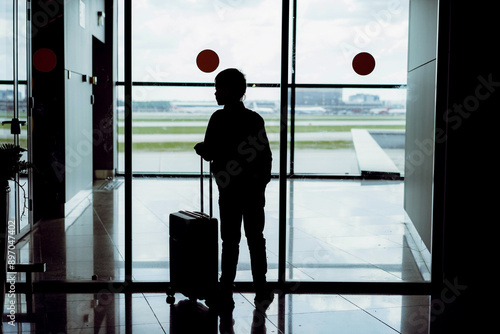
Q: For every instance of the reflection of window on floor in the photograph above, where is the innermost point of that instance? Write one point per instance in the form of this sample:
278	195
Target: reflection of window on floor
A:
348	231
337	230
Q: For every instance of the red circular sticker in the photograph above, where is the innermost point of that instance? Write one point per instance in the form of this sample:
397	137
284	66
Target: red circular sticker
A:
207	61
44	60
363	63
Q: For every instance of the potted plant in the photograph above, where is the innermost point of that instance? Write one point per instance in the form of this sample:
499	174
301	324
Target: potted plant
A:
10	165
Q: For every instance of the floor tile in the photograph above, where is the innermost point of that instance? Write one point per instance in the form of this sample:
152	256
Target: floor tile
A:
406	314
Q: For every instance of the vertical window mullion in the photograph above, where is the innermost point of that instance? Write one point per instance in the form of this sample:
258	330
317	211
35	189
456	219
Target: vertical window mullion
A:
283	141
15	115
128	137
29	106
292	88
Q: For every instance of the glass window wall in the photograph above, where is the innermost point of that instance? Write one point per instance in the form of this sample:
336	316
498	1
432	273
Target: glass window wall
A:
361	240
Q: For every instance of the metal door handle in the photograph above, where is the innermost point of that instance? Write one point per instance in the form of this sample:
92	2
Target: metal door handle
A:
15	125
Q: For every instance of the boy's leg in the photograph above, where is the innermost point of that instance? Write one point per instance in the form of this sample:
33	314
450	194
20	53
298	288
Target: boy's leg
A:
254	232
254	222
230	227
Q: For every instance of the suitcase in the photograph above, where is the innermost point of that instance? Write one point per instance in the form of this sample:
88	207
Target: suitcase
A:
194	259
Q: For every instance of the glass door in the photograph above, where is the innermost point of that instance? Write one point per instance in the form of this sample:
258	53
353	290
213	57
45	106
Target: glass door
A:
14	92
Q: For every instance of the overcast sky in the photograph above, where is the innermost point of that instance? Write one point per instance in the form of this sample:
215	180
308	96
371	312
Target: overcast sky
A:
246	34
6	49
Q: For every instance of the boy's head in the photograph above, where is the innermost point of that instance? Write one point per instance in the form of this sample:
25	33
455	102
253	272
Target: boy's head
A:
230	86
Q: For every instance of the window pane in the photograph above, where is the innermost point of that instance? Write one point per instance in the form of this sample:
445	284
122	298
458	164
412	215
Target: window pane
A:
21	30
168	35
6	40
6	112
324	120
331	33
166	130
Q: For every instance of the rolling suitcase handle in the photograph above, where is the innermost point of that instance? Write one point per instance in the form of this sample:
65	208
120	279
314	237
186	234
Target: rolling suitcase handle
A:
187	231
209	188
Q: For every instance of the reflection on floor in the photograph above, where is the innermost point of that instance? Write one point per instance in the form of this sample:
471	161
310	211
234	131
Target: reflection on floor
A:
149	313
337	230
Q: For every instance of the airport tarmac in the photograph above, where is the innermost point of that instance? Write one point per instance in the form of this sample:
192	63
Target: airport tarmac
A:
273	137
166	123
307	161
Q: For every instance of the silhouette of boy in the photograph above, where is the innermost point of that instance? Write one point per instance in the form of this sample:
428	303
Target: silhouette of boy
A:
236	143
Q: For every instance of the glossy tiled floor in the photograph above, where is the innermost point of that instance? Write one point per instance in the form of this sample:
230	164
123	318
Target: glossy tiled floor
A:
336	231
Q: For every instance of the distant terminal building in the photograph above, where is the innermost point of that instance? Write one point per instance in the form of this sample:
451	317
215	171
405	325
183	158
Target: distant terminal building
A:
362	103
364	98
313	100
6	95
318	96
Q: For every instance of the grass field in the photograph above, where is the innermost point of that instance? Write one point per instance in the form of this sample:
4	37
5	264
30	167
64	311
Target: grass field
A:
165	120
165	123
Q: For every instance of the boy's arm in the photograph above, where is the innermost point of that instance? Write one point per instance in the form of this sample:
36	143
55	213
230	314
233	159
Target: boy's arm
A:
264	163
206	148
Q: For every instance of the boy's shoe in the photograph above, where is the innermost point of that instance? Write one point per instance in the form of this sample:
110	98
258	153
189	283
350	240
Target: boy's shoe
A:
221	302
263	299
225	304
